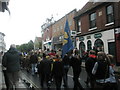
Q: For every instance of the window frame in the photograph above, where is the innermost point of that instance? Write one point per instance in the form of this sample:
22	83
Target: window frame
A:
109	16
79	25
92	23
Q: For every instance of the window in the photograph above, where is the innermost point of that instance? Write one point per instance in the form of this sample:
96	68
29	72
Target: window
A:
61	27
92	20
89	45
70	22
109	13
82	48
79	26
99	45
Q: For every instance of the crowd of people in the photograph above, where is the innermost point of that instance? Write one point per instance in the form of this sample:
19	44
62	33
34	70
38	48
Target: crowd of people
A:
51	67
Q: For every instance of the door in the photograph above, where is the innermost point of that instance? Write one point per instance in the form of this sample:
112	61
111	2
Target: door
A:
111	48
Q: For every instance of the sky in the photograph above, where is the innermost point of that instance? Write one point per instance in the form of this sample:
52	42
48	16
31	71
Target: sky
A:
27	16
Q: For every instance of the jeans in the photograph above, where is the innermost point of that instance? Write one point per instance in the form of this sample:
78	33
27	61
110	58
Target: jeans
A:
33	68
65	78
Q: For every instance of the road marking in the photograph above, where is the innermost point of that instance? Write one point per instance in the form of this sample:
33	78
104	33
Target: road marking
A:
30	81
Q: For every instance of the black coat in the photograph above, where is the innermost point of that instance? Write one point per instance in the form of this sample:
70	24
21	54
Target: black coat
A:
89	64
11	60
76	64
58	69
44	67
33	59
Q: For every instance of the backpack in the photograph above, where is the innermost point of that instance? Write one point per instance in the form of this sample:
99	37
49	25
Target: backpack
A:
102	70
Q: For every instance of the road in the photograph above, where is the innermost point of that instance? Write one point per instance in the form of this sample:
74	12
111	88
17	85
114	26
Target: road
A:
34	80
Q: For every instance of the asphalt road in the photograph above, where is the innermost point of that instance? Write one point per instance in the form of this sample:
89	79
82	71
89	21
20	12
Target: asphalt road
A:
34	80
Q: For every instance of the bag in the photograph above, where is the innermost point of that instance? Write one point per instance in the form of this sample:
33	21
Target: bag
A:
102	70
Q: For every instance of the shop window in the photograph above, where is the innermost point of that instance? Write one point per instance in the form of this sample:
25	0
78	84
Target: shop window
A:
82	48
99	45
89	45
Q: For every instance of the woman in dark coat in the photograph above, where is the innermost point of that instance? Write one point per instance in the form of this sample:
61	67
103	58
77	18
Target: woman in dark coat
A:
76	66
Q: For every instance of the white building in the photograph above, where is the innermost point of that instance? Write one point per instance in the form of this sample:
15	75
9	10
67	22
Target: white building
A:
2	43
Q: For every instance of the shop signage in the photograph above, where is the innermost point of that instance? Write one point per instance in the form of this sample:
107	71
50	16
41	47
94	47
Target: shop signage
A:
97	35
88	37
81	38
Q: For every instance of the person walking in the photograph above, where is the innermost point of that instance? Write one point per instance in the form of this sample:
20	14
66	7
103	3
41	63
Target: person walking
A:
57	72
1	55
76	62
44	71
102	71
11	61
33	62
112	78
4	71
89	64
66	66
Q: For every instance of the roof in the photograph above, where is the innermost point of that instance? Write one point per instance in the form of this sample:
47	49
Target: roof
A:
88	6
39	38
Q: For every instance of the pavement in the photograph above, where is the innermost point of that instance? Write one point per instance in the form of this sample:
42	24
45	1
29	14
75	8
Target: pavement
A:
2	82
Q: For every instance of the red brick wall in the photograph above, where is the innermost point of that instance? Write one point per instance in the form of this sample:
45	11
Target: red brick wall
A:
118	48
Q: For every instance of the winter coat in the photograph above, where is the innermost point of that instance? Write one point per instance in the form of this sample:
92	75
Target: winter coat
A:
76	64
66	60
44	67
33	59
89	64
57	69
11	60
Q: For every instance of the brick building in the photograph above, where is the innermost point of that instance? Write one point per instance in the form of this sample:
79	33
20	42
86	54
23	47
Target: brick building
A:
52	32
98	26
58	29
47	36
37	43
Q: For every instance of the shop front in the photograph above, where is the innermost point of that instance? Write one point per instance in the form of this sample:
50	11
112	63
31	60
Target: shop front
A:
100	41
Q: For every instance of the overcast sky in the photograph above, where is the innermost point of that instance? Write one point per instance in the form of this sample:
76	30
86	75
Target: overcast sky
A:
27	16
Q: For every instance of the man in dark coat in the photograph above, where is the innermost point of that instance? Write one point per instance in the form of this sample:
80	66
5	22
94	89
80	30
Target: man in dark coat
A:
11	61
58	72
66	65
76	62
33	62
44	71
89	64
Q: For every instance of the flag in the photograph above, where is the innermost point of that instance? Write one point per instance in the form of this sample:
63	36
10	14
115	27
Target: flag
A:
67	42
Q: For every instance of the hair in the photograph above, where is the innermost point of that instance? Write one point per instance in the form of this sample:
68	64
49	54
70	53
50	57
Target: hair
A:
12	46
102	56
44	55
92	52
57	56
111	58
